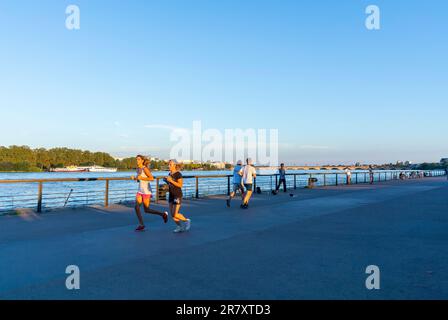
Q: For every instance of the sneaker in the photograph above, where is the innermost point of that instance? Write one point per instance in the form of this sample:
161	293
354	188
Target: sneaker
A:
178	229
165	217
228	203
140	228
187	225
246	206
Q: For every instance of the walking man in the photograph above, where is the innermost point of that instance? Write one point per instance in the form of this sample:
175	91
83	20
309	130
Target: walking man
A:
282	178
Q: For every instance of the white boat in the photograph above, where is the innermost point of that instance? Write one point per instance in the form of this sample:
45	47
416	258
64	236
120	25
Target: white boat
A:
69	169
101	169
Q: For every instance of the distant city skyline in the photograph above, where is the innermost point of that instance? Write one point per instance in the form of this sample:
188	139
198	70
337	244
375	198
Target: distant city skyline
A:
337	92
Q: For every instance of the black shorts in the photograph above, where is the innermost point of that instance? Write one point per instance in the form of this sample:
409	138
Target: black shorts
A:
238	186
248	186
175	199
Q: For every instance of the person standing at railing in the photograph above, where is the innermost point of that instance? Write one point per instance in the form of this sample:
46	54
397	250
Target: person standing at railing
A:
248	174
236	183
175	183
348	173
144	193
371	174
282	178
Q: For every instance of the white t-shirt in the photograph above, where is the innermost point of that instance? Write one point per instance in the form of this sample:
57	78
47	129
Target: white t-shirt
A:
248	173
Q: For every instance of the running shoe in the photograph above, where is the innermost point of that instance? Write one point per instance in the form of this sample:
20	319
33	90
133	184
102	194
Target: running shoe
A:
187	225
178	229
165	217
140	228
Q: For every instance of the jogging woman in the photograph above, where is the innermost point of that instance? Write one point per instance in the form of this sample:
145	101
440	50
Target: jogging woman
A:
175	183
143	196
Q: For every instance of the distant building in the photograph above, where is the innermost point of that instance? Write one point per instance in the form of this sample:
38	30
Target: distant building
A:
218	165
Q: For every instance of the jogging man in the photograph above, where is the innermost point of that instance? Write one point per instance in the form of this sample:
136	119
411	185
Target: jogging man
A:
248	174
236	183
175	183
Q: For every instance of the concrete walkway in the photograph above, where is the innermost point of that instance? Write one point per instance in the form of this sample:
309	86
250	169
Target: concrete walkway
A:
315	245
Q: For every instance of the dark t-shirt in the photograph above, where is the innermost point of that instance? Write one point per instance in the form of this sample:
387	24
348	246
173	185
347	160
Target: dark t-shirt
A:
282	173
175	191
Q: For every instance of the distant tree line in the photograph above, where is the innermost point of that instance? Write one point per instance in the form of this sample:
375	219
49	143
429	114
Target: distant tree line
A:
431	166
23	158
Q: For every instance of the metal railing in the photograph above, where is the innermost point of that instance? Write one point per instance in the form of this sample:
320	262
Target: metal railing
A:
195	186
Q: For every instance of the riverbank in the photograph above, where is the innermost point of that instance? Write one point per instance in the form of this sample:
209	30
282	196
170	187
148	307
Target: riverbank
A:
315	245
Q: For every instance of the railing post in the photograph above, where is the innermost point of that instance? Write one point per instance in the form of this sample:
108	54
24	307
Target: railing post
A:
39	198
356	175
228	185
197	187
276	182
106	195
157	190
255	184
325	179
295	181
336	179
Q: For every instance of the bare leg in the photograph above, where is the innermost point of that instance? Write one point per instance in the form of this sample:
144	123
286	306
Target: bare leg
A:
176	215
247	197
138	202
146	206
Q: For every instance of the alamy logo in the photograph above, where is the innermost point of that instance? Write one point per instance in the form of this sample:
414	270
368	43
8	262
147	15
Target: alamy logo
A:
373	280
373	20
73	281
73	17
229	146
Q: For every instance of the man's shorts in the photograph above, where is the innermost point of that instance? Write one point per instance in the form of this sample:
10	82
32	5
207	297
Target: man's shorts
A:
238	186
175	200
248	186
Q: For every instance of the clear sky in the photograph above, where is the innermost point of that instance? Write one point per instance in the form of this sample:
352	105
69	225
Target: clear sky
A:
336	91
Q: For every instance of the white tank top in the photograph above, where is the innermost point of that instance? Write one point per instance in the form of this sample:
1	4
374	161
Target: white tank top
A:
144	186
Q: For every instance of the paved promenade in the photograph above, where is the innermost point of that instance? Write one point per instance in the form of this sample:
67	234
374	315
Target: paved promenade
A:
315	245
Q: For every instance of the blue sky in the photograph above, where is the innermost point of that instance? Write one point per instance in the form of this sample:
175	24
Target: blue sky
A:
336	91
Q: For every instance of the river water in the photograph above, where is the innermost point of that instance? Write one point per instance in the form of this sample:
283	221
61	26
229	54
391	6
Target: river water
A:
69	194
